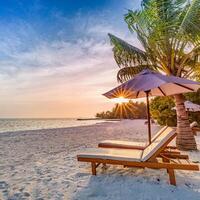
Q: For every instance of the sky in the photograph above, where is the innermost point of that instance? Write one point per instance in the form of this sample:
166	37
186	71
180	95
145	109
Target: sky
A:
55	57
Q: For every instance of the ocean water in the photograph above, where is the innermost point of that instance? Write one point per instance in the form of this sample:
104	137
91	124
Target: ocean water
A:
10	125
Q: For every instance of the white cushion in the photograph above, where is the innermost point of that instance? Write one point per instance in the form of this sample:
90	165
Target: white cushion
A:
129	154
128	144
158	133
158	143
121	143
112	154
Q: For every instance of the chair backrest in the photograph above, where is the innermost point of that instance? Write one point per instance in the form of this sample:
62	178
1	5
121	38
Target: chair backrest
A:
158	144
158	133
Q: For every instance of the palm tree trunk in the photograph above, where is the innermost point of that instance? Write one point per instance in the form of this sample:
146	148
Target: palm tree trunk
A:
185	138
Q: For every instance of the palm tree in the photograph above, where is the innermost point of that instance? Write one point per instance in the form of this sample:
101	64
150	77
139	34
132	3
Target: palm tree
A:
169	32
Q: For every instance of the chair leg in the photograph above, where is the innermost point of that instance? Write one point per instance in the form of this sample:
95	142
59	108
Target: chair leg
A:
94	171
167	161
172	178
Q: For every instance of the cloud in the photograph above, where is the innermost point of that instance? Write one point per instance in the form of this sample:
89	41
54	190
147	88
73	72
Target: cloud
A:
74	61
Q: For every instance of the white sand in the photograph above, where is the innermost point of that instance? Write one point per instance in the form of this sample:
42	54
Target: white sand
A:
42	165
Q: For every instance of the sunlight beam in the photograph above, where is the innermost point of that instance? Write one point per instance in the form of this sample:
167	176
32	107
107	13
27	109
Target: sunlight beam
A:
120	100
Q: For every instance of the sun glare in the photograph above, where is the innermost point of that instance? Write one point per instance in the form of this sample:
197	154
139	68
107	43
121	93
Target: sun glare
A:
120	100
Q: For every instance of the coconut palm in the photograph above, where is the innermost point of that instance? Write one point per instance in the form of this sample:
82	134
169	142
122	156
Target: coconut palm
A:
169	33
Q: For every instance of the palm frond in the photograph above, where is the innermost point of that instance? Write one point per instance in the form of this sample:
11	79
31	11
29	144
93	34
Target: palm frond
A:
190	24
156	26
169	31
189	60
125	54
126	73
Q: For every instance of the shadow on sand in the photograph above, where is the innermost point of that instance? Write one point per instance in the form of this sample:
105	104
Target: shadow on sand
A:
134	184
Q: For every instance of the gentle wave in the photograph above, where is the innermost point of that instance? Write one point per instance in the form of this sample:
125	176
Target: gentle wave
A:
10	125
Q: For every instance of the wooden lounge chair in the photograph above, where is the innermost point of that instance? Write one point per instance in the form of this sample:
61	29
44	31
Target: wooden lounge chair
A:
151	157
130	144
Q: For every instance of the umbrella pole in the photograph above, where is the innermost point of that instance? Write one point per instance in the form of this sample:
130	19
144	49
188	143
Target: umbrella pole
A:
148	115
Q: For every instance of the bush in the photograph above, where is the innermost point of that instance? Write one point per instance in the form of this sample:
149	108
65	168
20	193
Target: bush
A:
161	110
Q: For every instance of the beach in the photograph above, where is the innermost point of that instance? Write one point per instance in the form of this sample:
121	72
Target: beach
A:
41	164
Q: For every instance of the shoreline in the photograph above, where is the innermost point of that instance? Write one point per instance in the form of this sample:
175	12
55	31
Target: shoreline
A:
27	132
86	119
72	126
36	124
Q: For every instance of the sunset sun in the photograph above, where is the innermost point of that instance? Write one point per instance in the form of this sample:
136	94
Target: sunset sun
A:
121	100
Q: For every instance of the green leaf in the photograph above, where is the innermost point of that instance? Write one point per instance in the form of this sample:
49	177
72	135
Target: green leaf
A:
126	54
126	73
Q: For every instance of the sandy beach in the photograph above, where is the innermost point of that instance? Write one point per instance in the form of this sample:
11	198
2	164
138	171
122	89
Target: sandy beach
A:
40	165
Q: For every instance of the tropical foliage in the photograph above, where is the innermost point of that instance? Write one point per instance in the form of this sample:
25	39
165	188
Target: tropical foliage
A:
162	112
128	110
162	109
194	97
169	33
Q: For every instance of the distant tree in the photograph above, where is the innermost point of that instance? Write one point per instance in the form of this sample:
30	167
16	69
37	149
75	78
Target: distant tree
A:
128	110
101	115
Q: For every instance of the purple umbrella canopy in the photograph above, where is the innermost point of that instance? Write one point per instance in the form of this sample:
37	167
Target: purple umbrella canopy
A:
157	84
150	83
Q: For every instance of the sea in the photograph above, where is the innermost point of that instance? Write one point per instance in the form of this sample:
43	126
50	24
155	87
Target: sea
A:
11	125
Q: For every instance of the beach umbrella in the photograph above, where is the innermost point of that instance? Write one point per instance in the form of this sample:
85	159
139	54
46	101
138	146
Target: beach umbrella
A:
191	107
150	83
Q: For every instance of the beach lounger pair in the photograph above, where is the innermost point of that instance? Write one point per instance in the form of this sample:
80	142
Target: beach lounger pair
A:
157	155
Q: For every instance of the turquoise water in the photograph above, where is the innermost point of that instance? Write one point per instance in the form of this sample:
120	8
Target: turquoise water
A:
7	125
